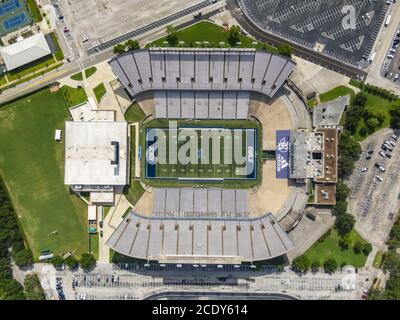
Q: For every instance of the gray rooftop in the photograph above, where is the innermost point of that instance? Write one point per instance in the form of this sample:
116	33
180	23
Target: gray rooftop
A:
202	69
329	113
200	239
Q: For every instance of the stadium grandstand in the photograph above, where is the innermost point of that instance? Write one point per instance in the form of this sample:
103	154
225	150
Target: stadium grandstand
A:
200	240
202	69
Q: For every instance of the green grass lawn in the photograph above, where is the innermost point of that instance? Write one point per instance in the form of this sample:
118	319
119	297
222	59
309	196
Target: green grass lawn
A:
73	96
94	245
375	104
134	191
336	93
34	9
59	55
99	91
77	76
134	113
90	71
214	34
30	68
3	80
329	248
378	259
32	165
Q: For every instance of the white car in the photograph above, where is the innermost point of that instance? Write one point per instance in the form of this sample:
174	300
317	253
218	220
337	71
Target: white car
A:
382	169
364	169
379	178
382	154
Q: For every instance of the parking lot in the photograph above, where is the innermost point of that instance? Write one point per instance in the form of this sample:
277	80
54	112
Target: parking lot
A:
318	25
103	20
375	186
391	65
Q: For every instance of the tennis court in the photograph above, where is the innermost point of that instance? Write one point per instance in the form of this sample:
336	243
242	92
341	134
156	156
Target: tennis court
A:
9	6
14	14
15	21
207	154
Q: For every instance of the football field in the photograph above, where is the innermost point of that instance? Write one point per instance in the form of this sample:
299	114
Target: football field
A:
202	154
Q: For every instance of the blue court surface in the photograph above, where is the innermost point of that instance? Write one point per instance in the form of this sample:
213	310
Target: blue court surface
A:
9	6
15	21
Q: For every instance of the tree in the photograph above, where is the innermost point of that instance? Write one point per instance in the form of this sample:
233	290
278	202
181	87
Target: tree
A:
367	248
11	289
360	99
285	50
380	116
340	208
87	261
234	35
172	37
363	131
344	242
372	124
119	48
5	268
391	262
395	117
330	266
301	264
315	266
33	288
358	246
344	224
57	261
22	258
71	262
342	191
132	45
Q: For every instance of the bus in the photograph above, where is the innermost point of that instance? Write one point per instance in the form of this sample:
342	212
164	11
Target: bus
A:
388	20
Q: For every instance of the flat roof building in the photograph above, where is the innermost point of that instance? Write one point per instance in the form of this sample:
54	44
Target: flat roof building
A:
25	51
96	155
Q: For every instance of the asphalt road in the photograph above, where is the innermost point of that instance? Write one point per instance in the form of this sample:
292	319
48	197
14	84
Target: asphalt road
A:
184	295
298	50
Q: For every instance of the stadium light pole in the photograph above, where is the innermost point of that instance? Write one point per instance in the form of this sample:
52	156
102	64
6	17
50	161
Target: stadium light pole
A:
181	43
198	43
205	43
222	44
166	43
254	43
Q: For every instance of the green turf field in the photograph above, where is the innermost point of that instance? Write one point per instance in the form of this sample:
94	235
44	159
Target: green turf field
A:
208	153
206	164
32	165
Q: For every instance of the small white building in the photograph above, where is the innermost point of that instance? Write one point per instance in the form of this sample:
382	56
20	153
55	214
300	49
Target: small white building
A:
25	51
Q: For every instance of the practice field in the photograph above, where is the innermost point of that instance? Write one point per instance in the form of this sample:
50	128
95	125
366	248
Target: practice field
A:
194	153
14	14
32	165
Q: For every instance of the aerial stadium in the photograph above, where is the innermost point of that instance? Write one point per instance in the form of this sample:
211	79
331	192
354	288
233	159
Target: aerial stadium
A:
226	154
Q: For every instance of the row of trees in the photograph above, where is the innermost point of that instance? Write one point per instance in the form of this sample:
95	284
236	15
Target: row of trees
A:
395	117
11	244
127	46
391	264
378	91
87	261
173	41
302	265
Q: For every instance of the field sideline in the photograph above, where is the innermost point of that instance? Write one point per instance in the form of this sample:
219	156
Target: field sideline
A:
32	165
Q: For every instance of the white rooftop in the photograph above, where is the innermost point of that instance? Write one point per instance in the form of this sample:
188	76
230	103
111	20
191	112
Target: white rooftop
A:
25	51
96	153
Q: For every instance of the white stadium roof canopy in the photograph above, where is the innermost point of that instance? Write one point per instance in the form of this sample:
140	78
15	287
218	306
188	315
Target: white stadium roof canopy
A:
25	51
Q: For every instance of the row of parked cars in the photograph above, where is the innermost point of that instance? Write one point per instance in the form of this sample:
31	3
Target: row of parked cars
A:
59	287
391	56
